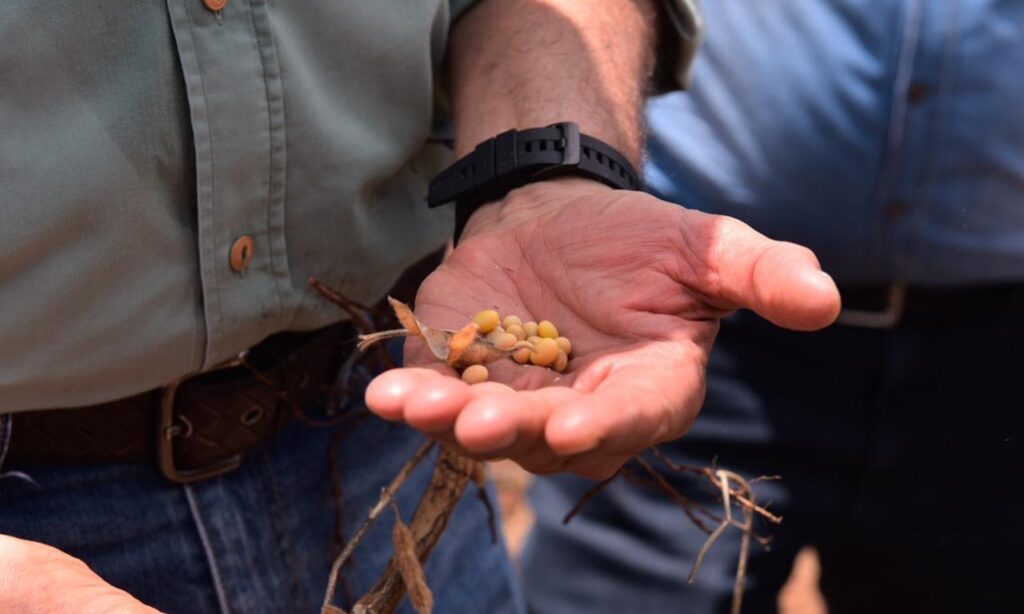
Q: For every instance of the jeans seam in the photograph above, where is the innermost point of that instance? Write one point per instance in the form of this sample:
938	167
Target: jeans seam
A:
211	558
279	528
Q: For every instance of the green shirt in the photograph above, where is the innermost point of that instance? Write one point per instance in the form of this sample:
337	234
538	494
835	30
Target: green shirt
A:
139	141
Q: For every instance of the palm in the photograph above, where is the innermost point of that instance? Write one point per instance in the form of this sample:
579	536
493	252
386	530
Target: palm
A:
638	286
610	290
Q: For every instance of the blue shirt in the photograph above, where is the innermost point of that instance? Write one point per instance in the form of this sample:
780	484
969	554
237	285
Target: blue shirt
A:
886	135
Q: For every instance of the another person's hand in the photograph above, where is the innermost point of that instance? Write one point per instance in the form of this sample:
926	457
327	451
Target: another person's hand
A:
39	579
636	283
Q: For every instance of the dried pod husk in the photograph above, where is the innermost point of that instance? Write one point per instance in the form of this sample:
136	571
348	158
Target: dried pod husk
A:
420	596
458	348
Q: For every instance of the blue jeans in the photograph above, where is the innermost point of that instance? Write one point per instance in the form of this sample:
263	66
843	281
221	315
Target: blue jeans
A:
900	454
259	539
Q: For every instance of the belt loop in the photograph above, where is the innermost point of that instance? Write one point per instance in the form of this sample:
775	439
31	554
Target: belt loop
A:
6	427
885	318
6	431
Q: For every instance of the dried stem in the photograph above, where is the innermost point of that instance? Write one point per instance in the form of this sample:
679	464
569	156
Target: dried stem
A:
732	488
387	494
748	527
744	500
689	507
452	474
587	496
724	478
358	312
722	526
355	310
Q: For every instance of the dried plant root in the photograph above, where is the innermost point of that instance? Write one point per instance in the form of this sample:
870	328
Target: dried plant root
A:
733	489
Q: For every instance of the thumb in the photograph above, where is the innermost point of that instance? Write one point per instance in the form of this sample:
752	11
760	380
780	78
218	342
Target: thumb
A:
782	282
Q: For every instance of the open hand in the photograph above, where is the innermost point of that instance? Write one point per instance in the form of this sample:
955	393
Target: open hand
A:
39	579
638	284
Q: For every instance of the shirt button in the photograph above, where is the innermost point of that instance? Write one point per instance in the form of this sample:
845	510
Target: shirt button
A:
215	5
241	253
917	92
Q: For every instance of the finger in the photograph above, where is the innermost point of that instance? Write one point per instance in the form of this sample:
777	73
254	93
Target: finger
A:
596	467
782	282
508	424
435	404
651	396
388	393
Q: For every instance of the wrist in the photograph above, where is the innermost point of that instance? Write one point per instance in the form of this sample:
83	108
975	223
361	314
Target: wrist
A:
530	203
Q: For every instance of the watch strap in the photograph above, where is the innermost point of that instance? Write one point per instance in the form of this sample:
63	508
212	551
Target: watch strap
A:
518	157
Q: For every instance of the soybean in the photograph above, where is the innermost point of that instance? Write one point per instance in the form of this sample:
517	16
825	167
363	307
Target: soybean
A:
516	329
511	321
547	329
561	362
487	320
549	349
505	341
522	355
475	374
545	353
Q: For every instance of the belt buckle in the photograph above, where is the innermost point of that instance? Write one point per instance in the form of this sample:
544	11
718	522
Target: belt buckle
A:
886	318
167	430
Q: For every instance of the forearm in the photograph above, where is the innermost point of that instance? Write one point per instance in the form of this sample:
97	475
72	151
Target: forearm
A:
529	63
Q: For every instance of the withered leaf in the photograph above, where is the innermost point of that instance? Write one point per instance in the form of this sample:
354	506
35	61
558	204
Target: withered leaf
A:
420	596
405	316
460	342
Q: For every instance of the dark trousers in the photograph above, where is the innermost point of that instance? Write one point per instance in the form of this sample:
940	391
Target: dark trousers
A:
902	459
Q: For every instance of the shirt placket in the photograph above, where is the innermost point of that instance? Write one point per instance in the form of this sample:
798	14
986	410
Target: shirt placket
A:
233	86
918	94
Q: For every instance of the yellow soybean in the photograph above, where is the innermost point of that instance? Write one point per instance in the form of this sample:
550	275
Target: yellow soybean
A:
494	334
487	320
505	341
522	355
547	329
530	328
564	344
561	362
475	374
510	321
545	354
533	340
516	330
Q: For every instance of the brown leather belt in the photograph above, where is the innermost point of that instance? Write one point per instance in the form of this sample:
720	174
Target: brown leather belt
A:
200	426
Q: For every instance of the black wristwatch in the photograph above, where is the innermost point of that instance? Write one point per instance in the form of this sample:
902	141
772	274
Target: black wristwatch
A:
518	157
